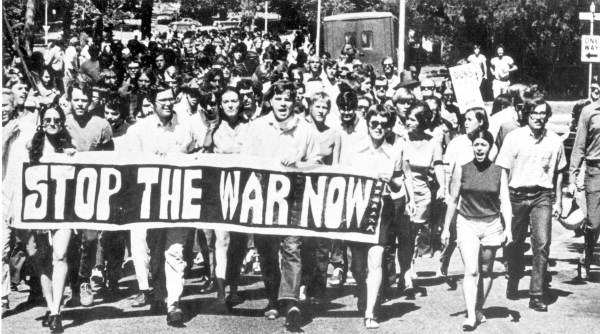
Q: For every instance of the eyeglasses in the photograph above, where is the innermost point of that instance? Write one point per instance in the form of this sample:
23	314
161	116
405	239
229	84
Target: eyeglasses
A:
405	101
388	65
427	87
380	87
538	114
376	124
363	107
50	120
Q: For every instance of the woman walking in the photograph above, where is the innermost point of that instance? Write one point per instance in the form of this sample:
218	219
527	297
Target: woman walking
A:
481	188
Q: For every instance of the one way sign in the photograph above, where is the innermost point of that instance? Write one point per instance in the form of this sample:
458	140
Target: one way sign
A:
590	48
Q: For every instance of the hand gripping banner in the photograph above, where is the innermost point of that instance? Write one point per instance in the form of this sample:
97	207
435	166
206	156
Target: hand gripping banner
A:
110	191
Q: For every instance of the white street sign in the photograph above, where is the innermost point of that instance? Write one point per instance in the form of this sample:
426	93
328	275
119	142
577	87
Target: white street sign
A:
587	16
590	48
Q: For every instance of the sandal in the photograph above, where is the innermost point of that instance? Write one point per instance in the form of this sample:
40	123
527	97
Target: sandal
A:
480	317
371	323
469	326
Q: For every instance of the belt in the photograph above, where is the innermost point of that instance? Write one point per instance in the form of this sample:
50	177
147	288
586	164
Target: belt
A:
529	190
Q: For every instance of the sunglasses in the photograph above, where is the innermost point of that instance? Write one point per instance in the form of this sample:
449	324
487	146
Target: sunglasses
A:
381	87
50	120
376	124
426	88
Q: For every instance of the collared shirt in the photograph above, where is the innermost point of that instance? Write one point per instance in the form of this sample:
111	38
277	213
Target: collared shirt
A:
385	159
197	120
150	135
295	139
532	162
351	136
587	139
91	136
229	140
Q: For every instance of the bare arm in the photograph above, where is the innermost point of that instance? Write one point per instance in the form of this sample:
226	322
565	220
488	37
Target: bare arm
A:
505	206
452	202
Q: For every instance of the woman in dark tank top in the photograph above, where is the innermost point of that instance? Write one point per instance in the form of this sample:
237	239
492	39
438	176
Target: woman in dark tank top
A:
479	191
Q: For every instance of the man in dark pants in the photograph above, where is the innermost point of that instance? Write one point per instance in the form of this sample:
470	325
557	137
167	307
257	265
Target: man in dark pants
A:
587	149
533	157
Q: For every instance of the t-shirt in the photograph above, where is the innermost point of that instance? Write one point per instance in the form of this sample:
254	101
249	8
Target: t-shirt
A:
502	67
90	135
480	190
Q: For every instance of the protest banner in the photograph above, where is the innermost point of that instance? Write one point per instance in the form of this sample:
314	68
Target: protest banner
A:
107	191
465	81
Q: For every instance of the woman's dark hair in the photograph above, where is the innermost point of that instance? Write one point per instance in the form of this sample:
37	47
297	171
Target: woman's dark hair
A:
501	102
241	48
148	73
481	116
210	76
347	100
422	113
116	102
61	141
483	134
228	89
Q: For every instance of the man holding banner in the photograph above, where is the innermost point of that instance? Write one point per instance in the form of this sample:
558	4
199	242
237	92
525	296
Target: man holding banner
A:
281	134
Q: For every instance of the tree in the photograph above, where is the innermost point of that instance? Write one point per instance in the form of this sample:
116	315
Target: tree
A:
146	16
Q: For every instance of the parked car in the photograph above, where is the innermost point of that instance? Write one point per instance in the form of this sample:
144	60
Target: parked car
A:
185	24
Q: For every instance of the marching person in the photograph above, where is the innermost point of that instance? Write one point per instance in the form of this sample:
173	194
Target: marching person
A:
51	257
586	150
534	158
283	135
163	133
479	192
501	67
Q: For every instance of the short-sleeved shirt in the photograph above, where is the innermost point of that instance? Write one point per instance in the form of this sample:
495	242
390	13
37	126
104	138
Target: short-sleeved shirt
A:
325	142
502	67
532	162
228	140
292	139
385	159
89	135
587	139
351	136
151	135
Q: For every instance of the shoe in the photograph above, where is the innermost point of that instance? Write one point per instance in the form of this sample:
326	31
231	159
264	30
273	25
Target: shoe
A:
469	326
55	323
142	299
46	319
302	293
97	279
208	287
158	307
234	298
336	277
512	289
86	295
271	311
293	317
219	306
536	304
175	317
371	323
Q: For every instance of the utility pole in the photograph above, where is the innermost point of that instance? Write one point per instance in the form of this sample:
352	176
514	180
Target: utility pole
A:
318	41
401	33
266	15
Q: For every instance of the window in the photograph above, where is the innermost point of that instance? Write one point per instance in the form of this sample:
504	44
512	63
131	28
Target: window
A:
366	40
350	38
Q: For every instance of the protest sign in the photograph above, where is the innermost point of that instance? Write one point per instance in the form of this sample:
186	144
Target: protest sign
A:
465	81
107	191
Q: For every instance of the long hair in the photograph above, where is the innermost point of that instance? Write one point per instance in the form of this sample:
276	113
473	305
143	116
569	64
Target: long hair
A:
62	138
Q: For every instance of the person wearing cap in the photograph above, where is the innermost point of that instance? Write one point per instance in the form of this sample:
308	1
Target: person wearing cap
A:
586	152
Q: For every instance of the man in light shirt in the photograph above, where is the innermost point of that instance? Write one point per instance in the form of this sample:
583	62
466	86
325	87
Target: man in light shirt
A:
501	67
534	159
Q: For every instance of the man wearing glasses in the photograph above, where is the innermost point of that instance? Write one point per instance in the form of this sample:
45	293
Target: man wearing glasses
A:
163	133
388	71
427	88
381	88
534	159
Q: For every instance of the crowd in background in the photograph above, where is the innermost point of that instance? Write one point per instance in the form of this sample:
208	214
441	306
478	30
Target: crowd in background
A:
478	179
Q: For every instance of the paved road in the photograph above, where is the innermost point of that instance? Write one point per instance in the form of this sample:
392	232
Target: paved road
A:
436	309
